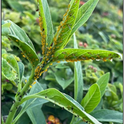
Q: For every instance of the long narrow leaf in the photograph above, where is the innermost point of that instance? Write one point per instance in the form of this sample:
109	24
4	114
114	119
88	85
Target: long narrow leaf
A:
21	70
105	115
48	23
27	51
84	13
92	98
78	79
102	82
63	101
36	115
21	40
69	18
81	54
43	26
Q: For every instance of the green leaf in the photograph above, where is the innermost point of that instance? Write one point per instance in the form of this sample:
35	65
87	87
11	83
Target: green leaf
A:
15	5
84	13
5	28
48	22
36	115
23	119
92	98
105	115
78	78
43	25
83	54
11	60
21	40
63	82
8	71
65	28
21	70
64	101
31	103
8	86
103	36
102	82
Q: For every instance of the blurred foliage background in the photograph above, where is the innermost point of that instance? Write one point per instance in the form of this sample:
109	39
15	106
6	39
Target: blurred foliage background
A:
103	30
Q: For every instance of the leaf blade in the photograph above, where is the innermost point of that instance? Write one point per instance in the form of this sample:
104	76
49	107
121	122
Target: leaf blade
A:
8	71
102	82
48	22
36	115
105	115
21	40
21	70
62	34
81	54
43	26
61	100
78	78
92	98
84	13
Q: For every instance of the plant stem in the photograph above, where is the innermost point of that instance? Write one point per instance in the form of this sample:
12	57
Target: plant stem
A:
2	120
72	120
18	99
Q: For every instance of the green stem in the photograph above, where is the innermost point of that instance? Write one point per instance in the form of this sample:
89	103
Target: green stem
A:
72	120
2	120
18	99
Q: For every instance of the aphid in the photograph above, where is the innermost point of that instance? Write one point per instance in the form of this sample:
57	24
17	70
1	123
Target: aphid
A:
43	29
23	56
104	59
34	82
37	9
68	5
72	108
62	108
30	86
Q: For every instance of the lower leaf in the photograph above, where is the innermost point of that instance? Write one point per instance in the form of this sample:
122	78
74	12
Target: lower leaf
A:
63	101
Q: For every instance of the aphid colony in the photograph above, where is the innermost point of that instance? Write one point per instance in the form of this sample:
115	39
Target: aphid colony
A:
27	54
75	56
43	35
59	40
65	27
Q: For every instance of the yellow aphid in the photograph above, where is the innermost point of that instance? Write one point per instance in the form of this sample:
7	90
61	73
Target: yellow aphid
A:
51	63
30	86
68	5
23	56
104	59
34	82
